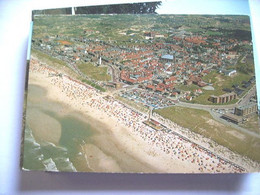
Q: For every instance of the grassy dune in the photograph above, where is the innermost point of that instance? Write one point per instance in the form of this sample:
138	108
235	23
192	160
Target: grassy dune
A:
220	82
54	62
200	121
94	72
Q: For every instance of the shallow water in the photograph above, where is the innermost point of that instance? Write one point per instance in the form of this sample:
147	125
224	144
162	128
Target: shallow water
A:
64	156
83	144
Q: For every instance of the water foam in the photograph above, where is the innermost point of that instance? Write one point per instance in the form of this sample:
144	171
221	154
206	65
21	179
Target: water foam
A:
50	165
64	164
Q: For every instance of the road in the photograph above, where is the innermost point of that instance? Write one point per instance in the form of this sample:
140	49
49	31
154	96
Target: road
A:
244	100
115	73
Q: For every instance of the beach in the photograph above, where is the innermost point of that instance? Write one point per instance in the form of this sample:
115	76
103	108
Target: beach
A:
123	142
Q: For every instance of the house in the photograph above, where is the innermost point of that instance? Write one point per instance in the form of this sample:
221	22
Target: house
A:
169	80
159	89
252	79
246	85
195	80
188	82
129	81
76	58
227	90
174	94
198	91
150	87
149	35
189	98
201	84
239	91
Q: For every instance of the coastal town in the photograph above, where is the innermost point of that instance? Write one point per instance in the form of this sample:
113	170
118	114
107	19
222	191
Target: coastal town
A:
158	73
174	144
141	71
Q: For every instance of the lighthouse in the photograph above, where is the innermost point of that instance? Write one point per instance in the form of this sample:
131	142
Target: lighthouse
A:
99	61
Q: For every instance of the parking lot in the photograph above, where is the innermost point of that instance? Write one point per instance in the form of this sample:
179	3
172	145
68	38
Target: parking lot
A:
149	99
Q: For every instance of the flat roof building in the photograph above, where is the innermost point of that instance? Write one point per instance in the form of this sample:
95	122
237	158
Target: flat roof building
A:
232	118
167	57
246	110
227	97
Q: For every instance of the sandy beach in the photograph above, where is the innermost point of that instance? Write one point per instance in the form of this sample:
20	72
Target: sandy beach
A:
124	142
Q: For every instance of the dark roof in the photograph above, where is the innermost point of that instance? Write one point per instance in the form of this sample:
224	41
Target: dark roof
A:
239	91
232	117
249	105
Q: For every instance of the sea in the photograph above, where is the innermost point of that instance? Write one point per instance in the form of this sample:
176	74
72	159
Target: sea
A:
64	155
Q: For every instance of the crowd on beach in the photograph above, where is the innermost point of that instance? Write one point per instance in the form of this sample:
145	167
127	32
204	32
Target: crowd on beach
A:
167	142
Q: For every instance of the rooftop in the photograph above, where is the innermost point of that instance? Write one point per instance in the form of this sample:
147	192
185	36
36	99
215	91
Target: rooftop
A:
251	104
167	57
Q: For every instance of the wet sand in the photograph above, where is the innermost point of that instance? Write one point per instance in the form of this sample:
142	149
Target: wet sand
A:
103	153
114	148
118	146
45	127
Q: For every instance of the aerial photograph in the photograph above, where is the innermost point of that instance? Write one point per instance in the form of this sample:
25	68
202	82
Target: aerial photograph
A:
141	93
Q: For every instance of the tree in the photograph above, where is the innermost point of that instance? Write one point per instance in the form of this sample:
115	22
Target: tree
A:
134	8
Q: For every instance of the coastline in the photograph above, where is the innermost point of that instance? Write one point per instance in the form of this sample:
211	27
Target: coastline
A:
119	135
127	136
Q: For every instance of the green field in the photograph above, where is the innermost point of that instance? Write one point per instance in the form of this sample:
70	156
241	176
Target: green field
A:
253	124
93	85
54	62
109	26
219	82
188	87
200	121
94	72
61	66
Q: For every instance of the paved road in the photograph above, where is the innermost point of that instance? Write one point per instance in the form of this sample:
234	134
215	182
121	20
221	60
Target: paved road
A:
115	74
217	116
201	106
246	98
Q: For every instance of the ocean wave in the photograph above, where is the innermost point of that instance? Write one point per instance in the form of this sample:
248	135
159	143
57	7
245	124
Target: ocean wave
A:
30	138
45	155
50	165
53	150
64	164
62	148
55	146
24	169
48	143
